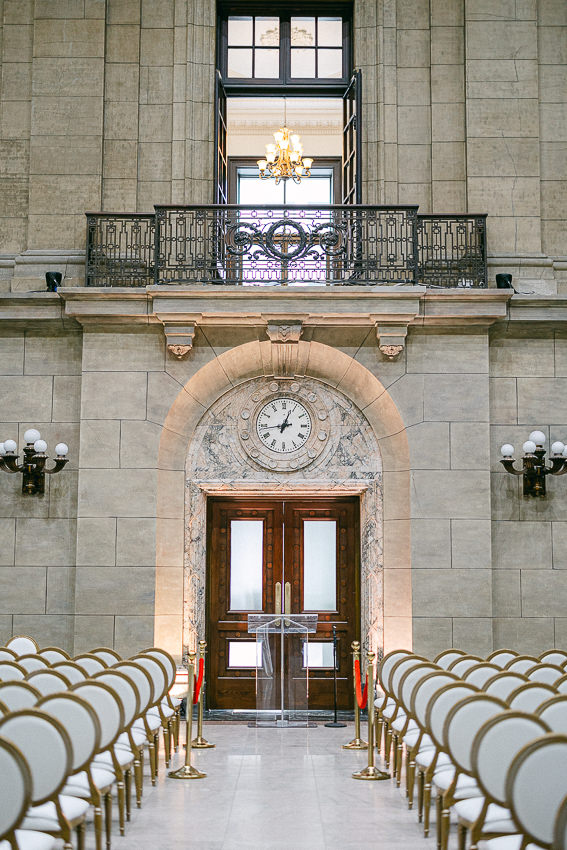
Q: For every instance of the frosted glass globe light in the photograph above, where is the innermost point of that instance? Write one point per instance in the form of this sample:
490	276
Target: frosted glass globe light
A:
564	452
537	437
529	447
40	446
31	435
507	450
10	446
2	450
557	447
61	449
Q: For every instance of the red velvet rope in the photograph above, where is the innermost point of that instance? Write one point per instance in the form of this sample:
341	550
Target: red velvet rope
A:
198	681
361	696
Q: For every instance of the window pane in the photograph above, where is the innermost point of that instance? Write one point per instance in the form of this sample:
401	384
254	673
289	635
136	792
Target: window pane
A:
246	556
245	654
239	30
320	565
252	190
330	32
239	62
267	64
267	32
302	32
318	654
302	62
330	63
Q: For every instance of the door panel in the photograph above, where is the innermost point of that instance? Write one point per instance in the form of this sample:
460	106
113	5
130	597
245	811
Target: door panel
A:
255	549
352	141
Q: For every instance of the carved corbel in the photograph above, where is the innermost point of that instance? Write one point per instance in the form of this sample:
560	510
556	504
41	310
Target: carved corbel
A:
179	339
391	339
284	336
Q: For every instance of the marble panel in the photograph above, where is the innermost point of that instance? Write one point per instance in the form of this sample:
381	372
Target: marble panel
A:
116	590
66	398
96	541
430	544
47	629
521	545
8	537
470	445
506	593
528	635
503	401
133	634
456	398
135	542
114	395
12	353
92	631
434	352
141	351
473	634
60	590
117	492
431	635
559	543
100	443
544	593
471	544
45	542
26	397
23	590
452	593
456	494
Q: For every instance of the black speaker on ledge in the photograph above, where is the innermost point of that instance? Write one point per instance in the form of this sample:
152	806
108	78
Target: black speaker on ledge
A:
53	280
504	281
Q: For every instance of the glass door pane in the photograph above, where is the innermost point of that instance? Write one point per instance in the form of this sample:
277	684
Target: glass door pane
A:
320	565
246	560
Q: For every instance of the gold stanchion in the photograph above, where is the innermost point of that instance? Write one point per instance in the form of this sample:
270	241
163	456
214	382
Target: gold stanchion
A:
370	771
188	771
200	743
357	743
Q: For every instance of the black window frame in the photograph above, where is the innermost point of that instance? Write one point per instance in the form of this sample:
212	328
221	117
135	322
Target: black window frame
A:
293	85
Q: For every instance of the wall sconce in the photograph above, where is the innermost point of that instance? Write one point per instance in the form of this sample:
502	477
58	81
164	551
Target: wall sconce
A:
534	468
33	468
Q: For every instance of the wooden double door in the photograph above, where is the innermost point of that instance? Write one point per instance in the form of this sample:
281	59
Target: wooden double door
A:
264	555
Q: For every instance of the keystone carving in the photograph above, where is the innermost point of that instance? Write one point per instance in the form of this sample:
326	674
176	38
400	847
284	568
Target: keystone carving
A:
284	336
391	339
179	338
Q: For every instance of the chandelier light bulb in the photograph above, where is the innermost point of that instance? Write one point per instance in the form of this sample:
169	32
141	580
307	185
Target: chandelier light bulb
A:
557	447
61	449
529	447
31	435
507	450
537	437
284	158
10	446
307	163
40	446
262	164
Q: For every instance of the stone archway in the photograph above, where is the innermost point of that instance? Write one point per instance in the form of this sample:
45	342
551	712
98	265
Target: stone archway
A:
350	380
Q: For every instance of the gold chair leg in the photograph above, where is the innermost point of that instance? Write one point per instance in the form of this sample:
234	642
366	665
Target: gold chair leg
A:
139	778
128	786
80	829
462	830
387	744
177	727
420	784
445	826
98	826
410	779
152	753
156	751
439	818
108	817
166	744
399	762
121	802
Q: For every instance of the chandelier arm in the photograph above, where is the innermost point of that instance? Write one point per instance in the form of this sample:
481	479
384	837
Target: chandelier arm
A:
559	466
509	466
58	466
9	463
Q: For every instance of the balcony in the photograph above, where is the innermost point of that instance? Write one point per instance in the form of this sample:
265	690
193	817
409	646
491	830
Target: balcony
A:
286	246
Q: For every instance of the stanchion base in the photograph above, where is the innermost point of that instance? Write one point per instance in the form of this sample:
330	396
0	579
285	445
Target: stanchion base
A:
371	773
356	744
200	743
186	772
335	724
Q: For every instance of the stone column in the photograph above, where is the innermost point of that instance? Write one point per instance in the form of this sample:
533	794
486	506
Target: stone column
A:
368	50
200	89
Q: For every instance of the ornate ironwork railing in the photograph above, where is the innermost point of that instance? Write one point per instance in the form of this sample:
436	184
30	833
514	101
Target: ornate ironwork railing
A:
245	245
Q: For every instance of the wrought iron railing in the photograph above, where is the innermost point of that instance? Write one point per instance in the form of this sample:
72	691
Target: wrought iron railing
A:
245	245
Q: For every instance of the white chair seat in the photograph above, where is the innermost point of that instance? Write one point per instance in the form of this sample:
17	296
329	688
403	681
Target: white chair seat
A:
167	710
29	840
498	818
466	785
123	757
138	735
175	700
154	722
390	709
399	722
44	817
425	757
506	842
78	785
412	736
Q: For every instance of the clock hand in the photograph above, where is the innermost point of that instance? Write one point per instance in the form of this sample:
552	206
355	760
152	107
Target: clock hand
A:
285	424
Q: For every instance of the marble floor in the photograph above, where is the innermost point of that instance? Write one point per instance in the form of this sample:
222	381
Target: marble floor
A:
270	789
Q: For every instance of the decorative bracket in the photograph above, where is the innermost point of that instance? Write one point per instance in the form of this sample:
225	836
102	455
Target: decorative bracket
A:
284	336
391	339
179	338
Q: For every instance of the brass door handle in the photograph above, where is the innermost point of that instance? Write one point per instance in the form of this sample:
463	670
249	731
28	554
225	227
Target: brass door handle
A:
278	605
287	598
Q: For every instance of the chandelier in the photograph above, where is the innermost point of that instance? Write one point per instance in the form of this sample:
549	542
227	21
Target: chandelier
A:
285	158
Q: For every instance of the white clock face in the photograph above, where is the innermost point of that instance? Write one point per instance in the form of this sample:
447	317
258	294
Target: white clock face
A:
283	425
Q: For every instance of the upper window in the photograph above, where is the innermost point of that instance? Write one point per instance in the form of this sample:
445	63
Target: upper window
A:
288	49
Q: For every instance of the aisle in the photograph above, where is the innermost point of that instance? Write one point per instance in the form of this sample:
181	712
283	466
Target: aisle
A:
273	788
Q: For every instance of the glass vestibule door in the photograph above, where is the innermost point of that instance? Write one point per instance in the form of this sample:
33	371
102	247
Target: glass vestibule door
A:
300	555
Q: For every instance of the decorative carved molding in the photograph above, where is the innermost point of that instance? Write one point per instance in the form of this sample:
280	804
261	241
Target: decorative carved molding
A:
284	336
391	338
179	338
179	351
391	351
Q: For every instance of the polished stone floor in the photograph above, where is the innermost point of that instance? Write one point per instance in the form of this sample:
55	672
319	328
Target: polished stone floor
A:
269	789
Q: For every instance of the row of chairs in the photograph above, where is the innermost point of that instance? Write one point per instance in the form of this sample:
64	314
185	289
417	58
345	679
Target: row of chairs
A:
73	733
487	738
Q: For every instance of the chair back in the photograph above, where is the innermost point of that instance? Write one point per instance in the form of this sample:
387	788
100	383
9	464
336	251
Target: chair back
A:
385	667
411	679
440	705
399	670
7	654
560	829
22	644
521	664
109	656
460	665
447	657
548	673
502	684
18	695
141	680
46	747
53	654
463	723
158	673
479	674
15	787
527	697
496	745
125	690
536	785
553	656
10	670
167	661
108	709
91	664
425	690
553	712
30	663
561	684
501	657
81	724
48	682
72	672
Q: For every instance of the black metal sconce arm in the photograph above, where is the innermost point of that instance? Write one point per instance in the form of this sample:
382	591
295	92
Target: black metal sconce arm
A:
534	470
33	469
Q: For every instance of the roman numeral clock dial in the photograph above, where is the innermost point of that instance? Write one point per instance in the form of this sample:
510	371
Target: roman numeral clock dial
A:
283	425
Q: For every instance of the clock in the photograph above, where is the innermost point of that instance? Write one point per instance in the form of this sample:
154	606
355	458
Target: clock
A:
284	425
